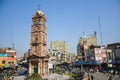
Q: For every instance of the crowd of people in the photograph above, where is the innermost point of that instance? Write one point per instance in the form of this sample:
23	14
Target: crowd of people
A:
4	74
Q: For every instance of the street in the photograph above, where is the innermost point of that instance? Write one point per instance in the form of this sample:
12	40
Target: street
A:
101	76
97	76
18	77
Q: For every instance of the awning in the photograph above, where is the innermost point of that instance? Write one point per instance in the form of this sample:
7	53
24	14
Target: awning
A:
79	62
92	62
86	63
115	61
1	65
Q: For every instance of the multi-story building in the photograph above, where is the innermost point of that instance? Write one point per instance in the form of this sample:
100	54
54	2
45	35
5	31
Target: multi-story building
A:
72	57
117	55
3	59
38	59
60	48
8	57
88	40
84	44
11	57
98	54
25	56
113	47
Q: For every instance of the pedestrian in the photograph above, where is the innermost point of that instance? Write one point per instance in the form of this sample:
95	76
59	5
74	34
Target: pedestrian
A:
4	77
119	74
88	76
110	77
92	77
12	78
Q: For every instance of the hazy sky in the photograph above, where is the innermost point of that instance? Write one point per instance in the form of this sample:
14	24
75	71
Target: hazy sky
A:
66	21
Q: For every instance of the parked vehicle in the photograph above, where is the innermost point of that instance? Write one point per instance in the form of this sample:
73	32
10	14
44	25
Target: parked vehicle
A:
22	72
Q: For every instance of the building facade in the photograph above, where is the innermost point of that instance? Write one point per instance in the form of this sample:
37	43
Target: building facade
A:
84	44
3	59
25	56
11	57
88	40
113	47
38	59
8	57
72	57
60	48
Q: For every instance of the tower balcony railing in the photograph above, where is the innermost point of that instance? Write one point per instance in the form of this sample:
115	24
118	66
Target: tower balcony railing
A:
34	42
37	42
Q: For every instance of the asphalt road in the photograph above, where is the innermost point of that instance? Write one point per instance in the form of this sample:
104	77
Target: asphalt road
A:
97	76
18	77
101	76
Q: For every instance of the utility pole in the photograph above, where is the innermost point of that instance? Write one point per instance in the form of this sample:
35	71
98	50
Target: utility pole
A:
100	37
100	32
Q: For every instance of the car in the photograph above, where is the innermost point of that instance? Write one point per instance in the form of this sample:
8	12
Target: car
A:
22	72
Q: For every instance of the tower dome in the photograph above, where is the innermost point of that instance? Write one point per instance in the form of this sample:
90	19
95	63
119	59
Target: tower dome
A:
40	12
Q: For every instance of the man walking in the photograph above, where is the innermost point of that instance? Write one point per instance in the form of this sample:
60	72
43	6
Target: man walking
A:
92	77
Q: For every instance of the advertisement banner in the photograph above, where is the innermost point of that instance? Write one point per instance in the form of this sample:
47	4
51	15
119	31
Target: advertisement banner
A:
3	55
11	59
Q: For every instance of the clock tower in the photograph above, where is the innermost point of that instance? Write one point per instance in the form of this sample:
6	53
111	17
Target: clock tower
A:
38	34
38	59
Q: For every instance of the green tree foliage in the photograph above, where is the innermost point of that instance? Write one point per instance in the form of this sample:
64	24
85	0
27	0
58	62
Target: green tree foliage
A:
34	76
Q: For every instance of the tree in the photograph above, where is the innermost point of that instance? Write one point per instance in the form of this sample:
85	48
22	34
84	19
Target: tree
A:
34	76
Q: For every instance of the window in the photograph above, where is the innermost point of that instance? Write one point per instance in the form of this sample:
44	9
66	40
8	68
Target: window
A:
3	62
85	42
99	51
